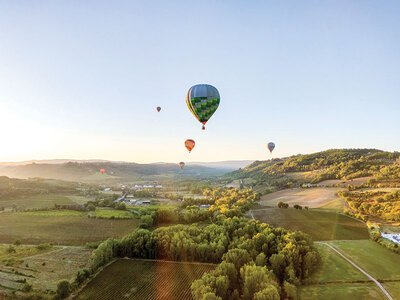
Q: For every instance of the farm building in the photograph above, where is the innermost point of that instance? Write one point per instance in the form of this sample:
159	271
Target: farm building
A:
394	237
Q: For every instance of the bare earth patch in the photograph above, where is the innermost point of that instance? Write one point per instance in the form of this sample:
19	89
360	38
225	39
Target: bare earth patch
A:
312	197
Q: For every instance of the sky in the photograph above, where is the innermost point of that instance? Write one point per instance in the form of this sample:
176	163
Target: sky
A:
82	79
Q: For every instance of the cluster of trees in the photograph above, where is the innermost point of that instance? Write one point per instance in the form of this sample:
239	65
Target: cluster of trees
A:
246	250
191	201
385	205
231	202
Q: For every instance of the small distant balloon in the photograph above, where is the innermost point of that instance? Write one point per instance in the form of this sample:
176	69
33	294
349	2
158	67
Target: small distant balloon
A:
158	108
181	164
271	146
189	144
102	171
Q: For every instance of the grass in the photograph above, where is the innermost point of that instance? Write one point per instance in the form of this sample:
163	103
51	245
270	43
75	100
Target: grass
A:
334	268
336	204
375	259
144	279
53	213
67	229
364	291
393	288
44	270
321	225
21	251
79	199
116	214
37	201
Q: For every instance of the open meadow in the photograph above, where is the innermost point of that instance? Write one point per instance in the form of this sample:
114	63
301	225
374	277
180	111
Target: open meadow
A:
377	260
338	279
350	291
335	269
311	197
320	224
60	227
144	279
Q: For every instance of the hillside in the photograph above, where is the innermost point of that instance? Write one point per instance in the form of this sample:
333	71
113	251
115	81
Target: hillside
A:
343	164
114	171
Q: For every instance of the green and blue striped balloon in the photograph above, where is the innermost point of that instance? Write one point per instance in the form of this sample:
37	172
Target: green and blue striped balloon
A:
202	100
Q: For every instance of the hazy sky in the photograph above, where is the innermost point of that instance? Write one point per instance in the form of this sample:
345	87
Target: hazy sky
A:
82	79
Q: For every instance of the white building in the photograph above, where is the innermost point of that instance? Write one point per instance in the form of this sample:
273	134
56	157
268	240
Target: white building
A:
394	237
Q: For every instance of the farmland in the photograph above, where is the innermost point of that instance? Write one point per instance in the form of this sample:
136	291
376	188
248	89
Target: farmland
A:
40	268
364	291
321	225
338	279
311	197
335	269
113	214
380	262
36	201
144	279
60	227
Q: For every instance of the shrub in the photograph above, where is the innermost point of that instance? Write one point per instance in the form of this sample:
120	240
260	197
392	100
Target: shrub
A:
27	287
63	288
82	275
11	249
45	246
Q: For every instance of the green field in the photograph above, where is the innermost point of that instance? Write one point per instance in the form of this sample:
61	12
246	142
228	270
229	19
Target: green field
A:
144	279
112	213
36	201
393	288
53	213
375	259
321	225
360	291
60	227
334	268
336	204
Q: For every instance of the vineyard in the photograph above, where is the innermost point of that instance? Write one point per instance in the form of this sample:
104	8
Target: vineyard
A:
145	279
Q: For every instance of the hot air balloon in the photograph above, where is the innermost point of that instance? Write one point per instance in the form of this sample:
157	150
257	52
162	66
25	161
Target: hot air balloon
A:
271	146
158	108
102	171
202	100
189	144
181	164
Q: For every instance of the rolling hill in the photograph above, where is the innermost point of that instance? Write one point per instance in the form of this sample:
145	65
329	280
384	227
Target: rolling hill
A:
88	171
342	164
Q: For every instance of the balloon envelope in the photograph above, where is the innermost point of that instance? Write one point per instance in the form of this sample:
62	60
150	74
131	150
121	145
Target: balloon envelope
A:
181	164
189	144
271	146
102	171
158	108
202	101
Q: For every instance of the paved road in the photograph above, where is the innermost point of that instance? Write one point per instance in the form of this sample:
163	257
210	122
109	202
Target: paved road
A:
361	270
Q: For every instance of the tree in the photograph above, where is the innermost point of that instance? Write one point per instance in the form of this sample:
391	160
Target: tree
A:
146	221
91	207
256	279
63	288
82	275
